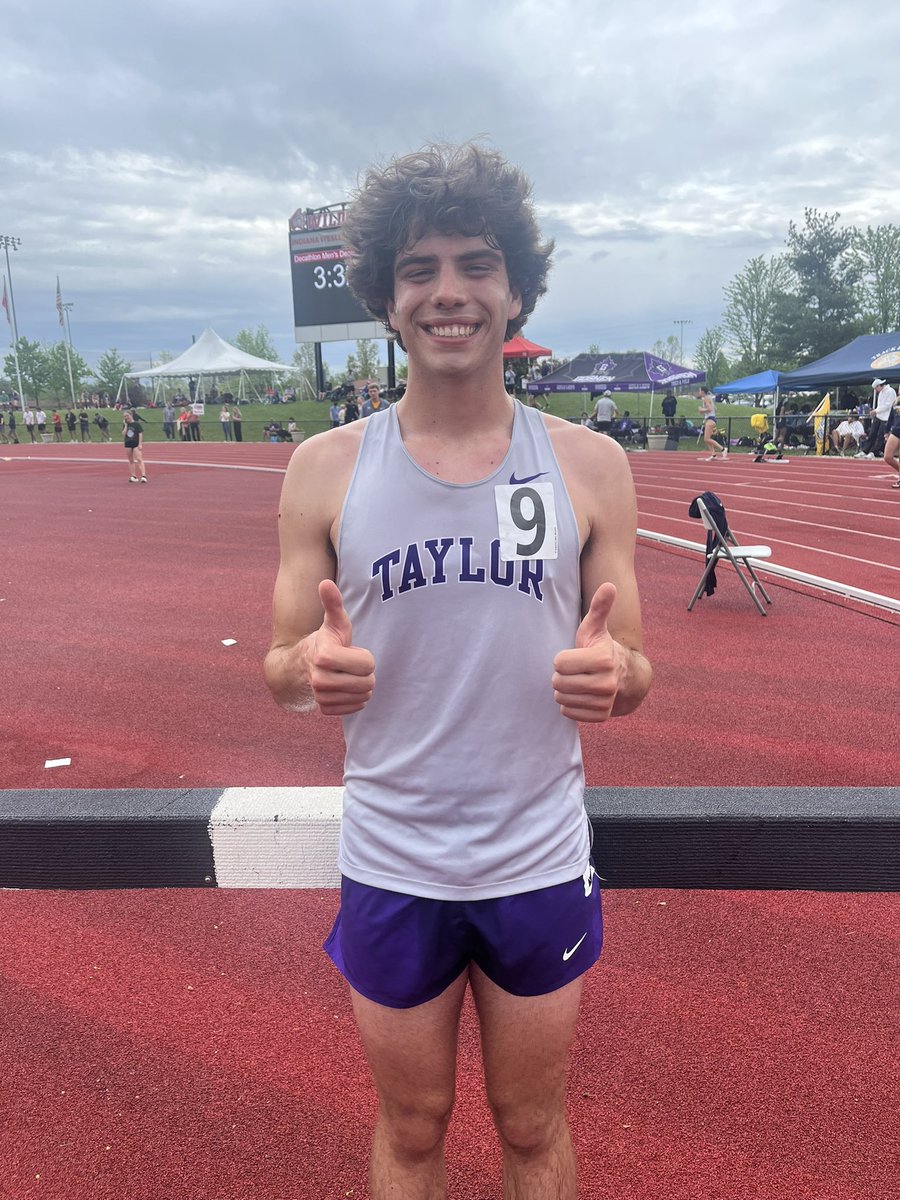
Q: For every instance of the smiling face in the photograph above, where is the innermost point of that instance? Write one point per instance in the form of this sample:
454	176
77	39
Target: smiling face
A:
452	301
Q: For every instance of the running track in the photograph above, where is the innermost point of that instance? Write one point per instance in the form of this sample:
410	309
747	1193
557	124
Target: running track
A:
164	1045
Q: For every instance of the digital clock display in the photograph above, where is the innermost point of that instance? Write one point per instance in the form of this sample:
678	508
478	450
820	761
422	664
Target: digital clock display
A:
319	280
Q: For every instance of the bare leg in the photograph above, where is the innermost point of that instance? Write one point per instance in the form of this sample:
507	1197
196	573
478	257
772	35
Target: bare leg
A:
525	1044
412	1056
891	450
709	428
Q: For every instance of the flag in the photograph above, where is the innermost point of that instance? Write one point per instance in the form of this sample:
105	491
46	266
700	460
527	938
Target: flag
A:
818	416
59	307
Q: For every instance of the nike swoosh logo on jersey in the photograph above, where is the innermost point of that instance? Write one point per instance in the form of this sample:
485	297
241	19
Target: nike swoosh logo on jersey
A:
567	954
528	478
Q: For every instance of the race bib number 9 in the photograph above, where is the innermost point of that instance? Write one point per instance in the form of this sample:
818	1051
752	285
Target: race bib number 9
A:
526	518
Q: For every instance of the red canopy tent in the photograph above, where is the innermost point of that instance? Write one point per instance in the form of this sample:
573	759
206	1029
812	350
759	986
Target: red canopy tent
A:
520	347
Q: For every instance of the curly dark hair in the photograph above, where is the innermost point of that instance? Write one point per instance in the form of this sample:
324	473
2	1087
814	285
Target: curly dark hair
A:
448	189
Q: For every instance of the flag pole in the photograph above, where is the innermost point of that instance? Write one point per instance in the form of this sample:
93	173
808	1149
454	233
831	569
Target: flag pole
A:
15	243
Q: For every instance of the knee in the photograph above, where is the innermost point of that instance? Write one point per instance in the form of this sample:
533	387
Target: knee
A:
415	1129
528	1130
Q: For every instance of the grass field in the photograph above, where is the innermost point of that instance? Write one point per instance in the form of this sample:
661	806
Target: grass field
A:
312	416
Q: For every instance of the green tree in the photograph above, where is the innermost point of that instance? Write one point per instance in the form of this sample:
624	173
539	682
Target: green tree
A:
709	355
365	362
58	383
303	375
827	278
670	349
750	319
110	369
33	367
256	341
877	254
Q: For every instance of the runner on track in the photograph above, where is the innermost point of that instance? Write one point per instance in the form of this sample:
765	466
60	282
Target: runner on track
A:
134	447
475	557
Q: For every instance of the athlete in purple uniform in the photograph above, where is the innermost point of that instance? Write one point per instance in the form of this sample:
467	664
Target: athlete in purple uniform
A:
478	556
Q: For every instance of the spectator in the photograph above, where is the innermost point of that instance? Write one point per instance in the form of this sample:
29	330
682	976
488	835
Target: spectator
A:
334	412
373	402
669	407
849	434
103	425
40	418
225	418
882	410
509	378
351	410
29	422
84	426
57	426
12	425
71	422
169	421
237	422
193	424
184	418
605	411
3	437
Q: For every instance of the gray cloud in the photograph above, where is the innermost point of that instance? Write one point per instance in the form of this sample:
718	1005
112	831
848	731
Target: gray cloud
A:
152	154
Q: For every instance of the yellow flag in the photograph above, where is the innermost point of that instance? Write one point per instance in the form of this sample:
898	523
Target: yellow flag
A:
819	414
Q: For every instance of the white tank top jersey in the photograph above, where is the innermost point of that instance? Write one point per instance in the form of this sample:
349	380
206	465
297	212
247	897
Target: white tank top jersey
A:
463	780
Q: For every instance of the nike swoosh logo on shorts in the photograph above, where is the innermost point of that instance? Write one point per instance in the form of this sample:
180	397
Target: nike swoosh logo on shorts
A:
567	954
528	478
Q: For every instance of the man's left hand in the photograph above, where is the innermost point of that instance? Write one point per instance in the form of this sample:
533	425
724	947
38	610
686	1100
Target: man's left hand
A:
586	680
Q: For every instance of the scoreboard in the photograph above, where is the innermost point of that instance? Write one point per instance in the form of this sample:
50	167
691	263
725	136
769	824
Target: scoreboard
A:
325	310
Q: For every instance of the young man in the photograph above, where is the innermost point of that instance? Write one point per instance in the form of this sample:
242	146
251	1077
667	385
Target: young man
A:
457	583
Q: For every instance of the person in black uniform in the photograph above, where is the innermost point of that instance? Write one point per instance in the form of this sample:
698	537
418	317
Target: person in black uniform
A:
134	448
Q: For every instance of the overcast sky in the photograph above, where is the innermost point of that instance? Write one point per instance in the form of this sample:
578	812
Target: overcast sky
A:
152	154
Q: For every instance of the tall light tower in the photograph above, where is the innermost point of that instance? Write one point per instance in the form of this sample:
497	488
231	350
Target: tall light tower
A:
66	308
15	243
682	323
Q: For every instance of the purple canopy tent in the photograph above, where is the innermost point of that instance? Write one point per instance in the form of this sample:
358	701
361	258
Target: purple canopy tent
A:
618	373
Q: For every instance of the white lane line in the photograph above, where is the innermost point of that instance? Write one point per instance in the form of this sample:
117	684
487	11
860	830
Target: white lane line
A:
758	516
782	542
151	462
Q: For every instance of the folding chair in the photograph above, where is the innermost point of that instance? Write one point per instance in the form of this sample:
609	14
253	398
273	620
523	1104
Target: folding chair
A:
722	544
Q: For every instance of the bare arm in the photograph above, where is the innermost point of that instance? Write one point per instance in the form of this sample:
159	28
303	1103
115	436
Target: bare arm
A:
606	673
312	661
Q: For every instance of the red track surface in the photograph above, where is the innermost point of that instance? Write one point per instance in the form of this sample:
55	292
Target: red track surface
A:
162	1045
116	598
166	1045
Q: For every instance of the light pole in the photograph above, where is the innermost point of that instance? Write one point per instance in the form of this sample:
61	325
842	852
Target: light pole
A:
682	323
65	309
15	243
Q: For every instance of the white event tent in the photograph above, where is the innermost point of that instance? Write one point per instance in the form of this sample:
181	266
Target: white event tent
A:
209	355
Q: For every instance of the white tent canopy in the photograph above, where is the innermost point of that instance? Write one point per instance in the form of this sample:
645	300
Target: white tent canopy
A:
209	355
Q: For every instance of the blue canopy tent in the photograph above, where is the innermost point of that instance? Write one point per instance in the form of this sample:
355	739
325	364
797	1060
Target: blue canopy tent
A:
765	381
762	382
616	372
874	355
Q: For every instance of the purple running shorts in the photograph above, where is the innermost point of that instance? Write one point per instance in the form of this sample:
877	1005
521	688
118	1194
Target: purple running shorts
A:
400	950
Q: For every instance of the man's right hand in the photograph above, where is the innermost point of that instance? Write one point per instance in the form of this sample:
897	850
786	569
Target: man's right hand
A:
341	675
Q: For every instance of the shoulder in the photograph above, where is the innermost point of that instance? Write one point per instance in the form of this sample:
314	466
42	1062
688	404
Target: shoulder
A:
583	451
322	465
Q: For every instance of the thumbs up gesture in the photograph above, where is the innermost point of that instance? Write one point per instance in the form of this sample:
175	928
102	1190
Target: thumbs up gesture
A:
341	675
586	680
